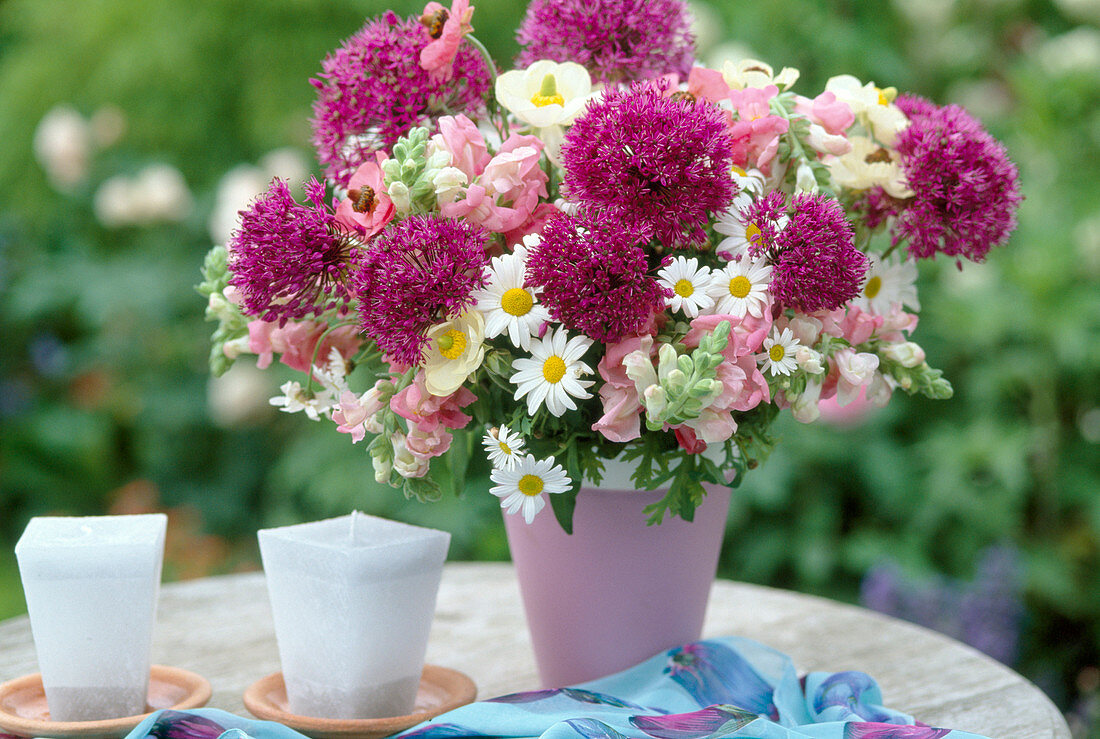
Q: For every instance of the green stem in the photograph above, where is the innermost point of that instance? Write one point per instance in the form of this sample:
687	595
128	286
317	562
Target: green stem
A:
493	105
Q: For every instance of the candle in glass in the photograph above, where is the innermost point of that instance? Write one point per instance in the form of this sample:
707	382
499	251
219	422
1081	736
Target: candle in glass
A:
352	600
91	586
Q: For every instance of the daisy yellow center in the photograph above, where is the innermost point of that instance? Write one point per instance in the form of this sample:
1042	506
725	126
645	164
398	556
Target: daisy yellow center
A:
753	234
530	485
505	448
452	344
548	93
516	302
553	369
886	96
873	286
684	288
737	170
777	352
740	286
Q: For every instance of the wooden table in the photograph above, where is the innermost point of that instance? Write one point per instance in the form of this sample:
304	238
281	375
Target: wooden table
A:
221	628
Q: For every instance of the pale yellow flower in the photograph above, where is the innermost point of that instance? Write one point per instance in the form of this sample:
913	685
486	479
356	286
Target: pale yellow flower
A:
455	349
755	73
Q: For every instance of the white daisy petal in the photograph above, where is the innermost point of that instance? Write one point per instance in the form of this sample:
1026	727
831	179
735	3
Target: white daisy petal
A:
550	376
523	488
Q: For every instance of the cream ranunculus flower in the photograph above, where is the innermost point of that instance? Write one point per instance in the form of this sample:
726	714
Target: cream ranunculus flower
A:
546	96
874	106
755	73
869	165
455	349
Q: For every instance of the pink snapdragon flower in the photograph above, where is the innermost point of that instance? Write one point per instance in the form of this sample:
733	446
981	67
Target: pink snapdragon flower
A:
427	412
446	29
296	342
459	137
405	462
709	84
747	333
756	133
850	323
542	213
826	111
621	420
428	444
850	372
367	208
829	119
503	190
354	414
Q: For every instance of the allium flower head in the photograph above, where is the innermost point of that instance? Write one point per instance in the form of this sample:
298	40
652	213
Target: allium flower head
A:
415	274
373	89
815	264
290	260
965	187
593	275
617	40
654	162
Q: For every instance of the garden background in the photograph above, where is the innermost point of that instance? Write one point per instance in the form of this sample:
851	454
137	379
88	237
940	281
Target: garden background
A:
979	516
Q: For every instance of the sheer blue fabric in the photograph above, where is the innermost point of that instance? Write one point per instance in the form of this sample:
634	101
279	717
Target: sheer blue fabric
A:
729	687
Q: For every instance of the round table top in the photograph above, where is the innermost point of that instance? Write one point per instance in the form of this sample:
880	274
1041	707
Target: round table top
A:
221	628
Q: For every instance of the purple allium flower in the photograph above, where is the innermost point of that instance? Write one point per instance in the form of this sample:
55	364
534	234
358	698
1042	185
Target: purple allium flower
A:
594	275
656	163
815	264
764	220
415	274
372	90
290	260
966	189
616	40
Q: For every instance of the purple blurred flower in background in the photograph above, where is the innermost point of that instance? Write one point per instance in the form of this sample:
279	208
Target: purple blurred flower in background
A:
986	612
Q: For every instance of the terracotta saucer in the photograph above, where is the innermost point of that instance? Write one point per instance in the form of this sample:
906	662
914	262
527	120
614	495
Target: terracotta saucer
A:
23	709
441	689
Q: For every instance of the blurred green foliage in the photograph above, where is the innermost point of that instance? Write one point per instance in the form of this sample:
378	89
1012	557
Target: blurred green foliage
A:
103	378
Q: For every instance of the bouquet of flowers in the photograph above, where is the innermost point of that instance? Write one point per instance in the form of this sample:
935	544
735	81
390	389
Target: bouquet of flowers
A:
607	252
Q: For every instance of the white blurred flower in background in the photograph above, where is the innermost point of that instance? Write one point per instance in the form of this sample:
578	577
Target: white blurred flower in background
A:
156	194
240	185
64	142
240	396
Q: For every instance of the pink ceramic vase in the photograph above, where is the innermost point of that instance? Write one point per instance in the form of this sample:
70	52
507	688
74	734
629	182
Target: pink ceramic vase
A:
616	592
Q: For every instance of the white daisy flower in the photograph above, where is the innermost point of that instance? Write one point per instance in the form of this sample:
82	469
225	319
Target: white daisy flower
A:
521	488
780	352
750	183
551	374
688	282
508	305
503	447
741	287
889	281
